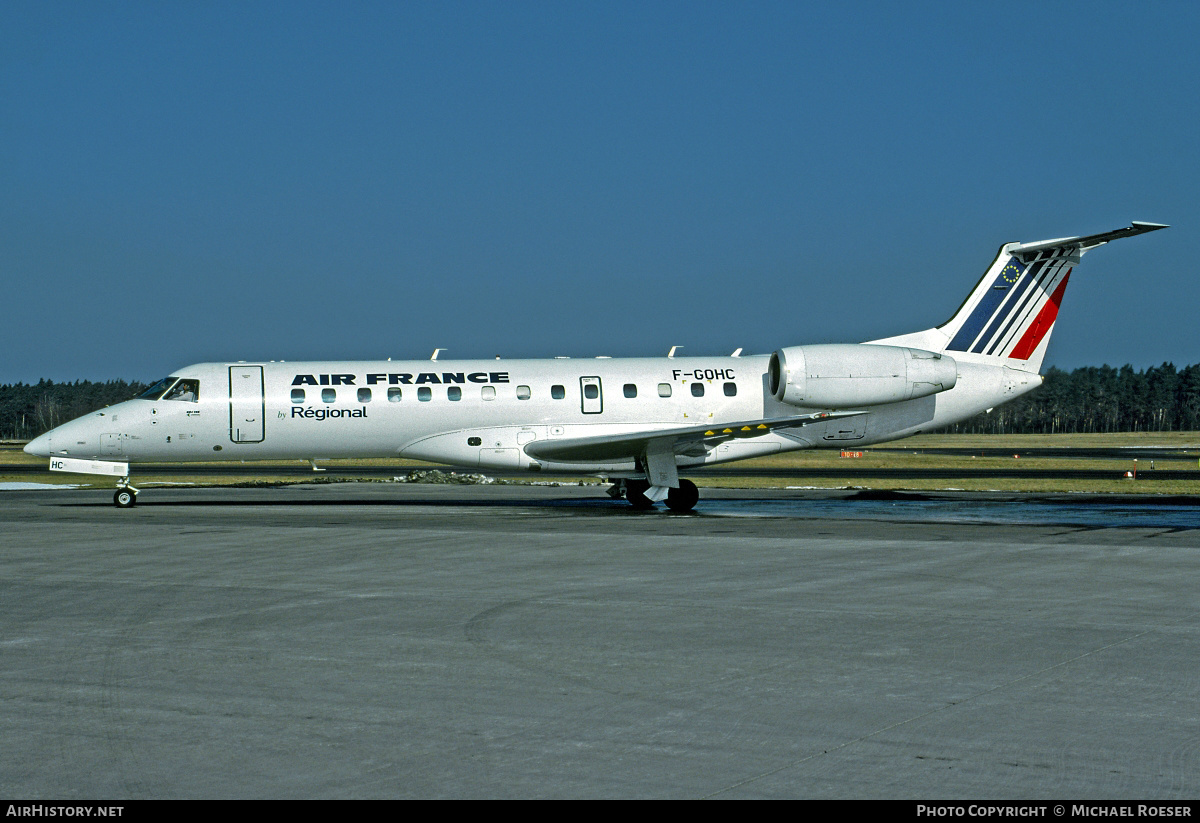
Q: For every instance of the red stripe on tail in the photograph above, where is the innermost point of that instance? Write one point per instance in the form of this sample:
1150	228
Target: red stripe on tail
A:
1041	324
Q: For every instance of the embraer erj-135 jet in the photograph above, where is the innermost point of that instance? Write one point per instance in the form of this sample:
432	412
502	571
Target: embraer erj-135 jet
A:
637	421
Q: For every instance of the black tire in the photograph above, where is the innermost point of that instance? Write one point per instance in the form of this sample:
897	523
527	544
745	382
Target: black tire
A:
635	493
684	498
124	499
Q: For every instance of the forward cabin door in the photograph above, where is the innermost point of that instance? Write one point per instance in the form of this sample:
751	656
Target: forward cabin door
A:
246	408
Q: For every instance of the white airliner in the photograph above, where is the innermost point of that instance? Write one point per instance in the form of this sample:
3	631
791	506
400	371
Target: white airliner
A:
637	421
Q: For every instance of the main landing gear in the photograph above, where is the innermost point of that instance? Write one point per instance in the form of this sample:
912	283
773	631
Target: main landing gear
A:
126	495
682	499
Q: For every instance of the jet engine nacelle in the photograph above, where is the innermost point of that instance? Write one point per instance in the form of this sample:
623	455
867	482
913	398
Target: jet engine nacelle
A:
850	375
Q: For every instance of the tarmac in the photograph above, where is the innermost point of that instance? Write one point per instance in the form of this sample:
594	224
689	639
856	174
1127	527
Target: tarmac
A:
403	641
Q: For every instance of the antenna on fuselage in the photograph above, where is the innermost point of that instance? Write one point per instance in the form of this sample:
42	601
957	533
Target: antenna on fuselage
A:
436	352
671	353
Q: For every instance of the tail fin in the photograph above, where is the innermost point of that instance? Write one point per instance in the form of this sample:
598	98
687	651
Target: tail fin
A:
1011	312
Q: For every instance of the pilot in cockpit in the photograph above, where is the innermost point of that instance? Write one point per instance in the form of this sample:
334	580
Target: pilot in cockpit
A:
186	390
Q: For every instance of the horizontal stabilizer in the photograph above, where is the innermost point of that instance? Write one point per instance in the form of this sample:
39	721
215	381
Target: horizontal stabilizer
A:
615	447
1085	242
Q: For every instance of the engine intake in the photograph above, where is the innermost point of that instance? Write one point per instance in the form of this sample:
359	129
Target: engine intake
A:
848	374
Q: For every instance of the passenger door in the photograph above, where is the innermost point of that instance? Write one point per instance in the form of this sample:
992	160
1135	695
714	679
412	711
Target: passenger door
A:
246	409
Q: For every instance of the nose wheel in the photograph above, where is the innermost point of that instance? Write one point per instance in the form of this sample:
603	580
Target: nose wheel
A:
126	495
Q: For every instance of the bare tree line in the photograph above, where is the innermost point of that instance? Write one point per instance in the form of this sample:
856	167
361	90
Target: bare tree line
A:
28	409
1099	399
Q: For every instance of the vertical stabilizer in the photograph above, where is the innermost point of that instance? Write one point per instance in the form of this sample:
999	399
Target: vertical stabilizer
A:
1011	313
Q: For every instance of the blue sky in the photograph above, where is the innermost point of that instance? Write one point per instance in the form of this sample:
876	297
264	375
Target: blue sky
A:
195	181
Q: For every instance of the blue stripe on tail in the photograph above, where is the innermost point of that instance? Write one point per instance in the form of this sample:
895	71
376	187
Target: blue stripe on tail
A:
1007	310
983	312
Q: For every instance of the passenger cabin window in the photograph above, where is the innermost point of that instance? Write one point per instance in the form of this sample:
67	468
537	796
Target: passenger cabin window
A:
364	395
731	389
591	391
474	441
630	390
523	393
454	393
488	392
558	392
297	395
664	389
697	390
424	394
185	390
328	395
394	394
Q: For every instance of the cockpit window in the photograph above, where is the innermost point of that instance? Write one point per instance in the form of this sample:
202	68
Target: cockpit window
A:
186	390
158	389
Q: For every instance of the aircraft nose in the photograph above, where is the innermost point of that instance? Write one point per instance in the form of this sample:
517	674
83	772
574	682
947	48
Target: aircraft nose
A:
39	445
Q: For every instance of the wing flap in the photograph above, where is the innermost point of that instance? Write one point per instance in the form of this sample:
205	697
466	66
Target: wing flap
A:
607	448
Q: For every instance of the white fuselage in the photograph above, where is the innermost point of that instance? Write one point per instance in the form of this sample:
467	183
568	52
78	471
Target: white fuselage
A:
484	413
638	419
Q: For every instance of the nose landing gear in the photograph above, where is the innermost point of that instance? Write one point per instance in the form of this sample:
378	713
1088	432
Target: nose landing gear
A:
126	495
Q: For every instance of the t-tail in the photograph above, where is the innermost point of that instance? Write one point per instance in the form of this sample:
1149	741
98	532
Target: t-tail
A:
1009	316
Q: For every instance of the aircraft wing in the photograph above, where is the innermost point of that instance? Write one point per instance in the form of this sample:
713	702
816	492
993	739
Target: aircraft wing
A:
693	440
